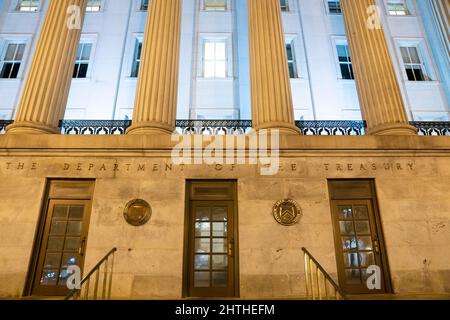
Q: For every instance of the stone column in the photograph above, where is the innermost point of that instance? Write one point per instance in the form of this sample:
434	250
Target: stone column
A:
379	92
271	97
46	90
157	89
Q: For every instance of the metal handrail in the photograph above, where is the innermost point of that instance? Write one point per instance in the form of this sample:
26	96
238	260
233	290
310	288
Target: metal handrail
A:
318	281
106	281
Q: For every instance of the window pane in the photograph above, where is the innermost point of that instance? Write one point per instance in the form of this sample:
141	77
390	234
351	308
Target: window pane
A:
221	71
15	70
82	71
202	229
209	69
201	262
209	50
6	70
201	279
86	54
414	55
20	51
220	51
405	55
202	245
220	279
10	51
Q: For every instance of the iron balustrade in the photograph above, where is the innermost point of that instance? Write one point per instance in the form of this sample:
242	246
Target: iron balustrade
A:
332	127
428	128
319	284
4	124
237	127
105	284
94	127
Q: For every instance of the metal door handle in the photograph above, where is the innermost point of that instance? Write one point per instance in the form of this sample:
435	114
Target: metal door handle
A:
230	247
376	246
82	247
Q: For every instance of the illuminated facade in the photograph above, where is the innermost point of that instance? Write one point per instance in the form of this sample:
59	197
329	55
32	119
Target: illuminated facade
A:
371	195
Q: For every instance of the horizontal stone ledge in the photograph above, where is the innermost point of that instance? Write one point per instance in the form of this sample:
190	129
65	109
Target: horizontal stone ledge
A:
164	143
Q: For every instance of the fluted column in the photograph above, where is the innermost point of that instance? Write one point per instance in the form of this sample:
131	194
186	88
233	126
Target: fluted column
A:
46	90
271	96
156	98
379	92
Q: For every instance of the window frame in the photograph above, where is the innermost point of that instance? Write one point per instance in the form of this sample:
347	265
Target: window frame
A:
139	5
424	56
137	39
327	8
225	37
291	39
339	41
228	7
5	40
102	8
91	39
409	6
15	6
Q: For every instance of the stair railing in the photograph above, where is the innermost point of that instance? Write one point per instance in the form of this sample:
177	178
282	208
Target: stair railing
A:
319	284
101	278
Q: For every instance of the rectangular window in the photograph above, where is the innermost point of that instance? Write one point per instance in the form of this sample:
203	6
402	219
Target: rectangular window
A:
28	5
345	62
334	7
215	5
82	60
284	5
397	8
136	59
144	5
12	60
94	6
414	66
291	60
215	59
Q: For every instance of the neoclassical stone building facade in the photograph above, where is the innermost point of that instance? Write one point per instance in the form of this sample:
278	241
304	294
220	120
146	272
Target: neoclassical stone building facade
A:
370	196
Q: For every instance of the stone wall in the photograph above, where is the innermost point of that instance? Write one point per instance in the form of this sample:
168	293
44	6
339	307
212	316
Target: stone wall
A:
412	189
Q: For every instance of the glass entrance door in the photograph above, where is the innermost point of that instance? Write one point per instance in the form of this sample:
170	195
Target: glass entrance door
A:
358	245
211	240
212	250
63	245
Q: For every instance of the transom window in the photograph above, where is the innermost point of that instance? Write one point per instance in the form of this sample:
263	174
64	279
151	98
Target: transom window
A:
215	59
136	59
414	66
28	5
345	62
82	60
94	5
215	5
397	8
334	7
11	60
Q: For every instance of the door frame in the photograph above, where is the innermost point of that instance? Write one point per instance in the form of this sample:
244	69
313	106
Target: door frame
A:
39	231
187	231
60	291
373	198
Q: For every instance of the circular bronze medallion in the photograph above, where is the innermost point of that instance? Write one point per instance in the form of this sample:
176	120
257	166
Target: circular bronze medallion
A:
287	212
137	212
